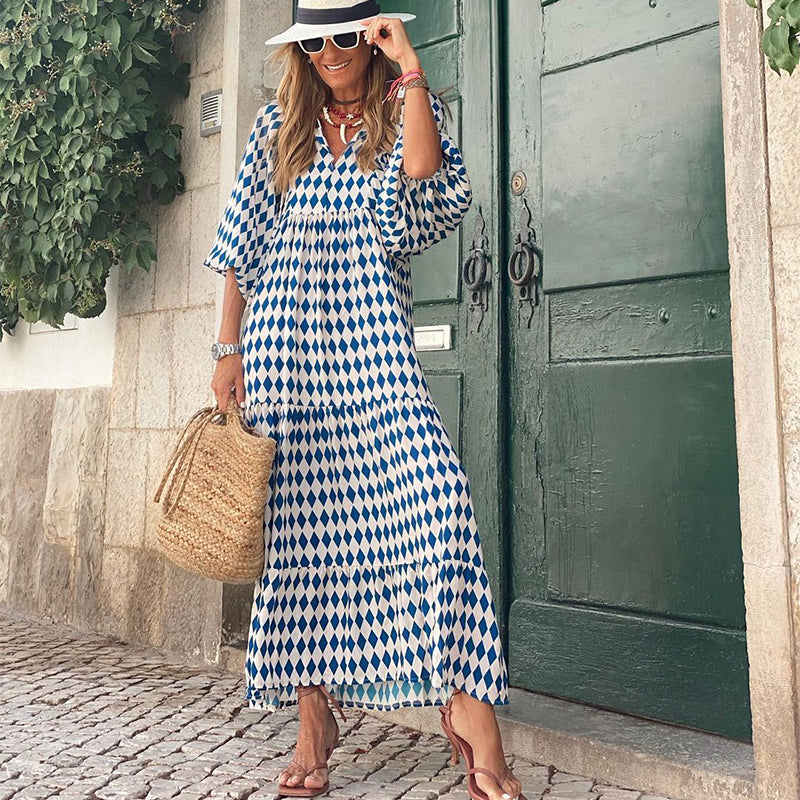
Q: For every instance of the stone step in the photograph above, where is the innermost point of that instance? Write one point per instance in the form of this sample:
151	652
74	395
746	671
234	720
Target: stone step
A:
613	748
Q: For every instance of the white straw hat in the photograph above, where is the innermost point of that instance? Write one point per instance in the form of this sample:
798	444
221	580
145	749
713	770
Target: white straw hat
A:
327	17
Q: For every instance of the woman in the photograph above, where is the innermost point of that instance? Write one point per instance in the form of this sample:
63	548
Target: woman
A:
374	583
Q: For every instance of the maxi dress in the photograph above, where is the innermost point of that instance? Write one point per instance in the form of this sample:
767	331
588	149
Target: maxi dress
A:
374	581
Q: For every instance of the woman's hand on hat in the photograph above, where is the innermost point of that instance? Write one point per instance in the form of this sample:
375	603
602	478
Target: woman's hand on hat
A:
396	45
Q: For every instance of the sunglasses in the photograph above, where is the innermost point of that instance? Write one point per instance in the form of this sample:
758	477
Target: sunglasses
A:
344	41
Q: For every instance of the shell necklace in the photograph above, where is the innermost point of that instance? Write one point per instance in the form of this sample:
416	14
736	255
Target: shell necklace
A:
345	120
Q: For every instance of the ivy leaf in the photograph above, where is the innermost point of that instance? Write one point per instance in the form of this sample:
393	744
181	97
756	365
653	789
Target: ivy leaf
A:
793	13
66	291
126	58
129	256
143	55
159	178
113	32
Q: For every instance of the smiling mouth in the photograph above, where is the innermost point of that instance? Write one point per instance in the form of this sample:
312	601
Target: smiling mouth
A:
337	67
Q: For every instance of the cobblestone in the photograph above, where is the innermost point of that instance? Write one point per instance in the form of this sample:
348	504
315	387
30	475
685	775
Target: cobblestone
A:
86	717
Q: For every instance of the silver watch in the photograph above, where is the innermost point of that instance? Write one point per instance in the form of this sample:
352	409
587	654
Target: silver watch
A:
220	349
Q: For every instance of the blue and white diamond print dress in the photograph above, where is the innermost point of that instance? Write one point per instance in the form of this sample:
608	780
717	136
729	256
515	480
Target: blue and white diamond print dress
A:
374	582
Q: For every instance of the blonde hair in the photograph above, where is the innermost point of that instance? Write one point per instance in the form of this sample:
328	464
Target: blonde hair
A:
301	94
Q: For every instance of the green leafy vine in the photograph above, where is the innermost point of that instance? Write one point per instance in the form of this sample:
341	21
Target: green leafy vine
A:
85	138
779	39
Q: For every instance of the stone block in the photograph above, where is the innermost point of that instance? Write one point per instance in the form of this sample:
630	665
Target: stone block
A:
193	333
5	557
771	657
203	281
160	445
791	455
77	451
96	403
174	244
192	618
136	290
118	573
56	584
59	517
146	611
782	101
786	254
28	440
126	356
125	496
88	558
209	38
11	403
25	546
154	371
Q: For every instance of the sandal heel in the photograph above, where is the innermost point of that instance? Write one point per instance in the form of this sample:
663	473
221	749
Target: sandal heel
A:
455	750
454	754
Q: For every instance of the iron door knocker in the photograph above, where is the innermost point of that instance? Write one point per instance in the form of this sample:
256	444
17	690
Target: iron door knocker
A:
475	270
525	263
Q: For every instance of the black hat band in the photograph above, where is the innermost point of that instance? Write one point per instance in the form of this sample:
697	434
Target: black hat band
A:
327	16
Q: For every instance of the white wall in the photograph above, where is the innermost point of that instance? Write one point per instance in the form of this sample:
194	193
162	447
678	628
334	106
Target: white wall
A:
80	354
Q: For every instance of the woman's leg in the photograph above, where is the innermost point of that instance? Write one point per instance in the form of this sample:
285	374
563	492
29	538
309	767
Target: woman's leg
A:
317	729
476	722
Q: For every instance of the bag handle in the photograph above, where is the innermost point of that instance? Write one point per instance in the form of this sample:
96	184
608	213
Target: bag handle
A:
186	447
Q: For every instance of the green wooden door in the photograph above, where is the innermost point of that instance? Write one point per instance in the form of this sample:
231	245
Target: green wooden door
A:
625	586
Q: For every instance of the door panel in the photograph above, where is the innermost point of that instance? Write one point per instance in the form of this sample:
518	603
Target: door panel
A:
638	664
632	517
581	30
633	162
664	317
622	526
597	425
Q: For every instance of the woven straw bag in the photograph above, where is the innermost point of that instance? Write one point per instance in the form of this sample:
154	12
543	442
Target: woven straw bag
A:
212	517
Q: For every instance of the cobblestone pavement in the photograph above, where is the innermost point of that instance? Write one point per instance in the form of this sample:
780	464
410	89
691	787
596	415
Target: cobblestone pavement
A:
86	716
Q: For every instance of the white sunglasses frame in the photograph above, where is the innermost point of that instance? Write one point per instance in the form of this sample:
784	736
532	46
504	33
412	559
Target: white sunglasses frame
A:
325	42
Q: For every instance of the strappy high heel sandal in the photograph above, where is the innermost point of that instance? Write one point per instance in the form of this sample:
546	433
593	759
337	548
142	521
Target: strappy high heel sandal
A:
312	791
459	744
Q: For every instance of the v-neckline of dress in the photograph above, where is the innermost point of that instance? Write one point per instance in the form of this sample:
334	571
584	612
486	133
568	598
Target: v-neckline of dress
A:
324	142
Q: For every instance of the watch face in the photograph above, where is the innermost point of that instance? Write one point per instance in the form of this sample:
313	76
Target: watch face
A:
215	351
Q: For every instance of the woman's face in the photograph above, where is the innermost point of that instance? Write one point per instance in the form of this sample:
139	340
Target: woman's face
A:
345	82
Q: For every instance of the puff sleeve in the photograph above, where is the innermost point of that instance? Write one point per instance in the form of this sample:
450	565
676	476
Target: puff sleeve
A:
416	213
250	212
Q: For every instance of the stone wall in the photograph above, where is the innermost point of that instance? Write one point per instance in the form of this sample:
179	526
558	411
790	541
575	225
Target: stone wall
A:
78	525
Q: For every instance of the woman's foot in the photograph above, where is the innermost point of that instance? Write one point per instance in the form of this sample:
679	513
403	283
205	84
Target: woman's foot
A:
476	722
317	732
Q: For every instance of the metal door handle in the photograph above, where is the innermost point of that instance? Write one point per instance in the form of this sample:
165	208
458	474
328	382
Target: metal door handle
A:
525	262
475	270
